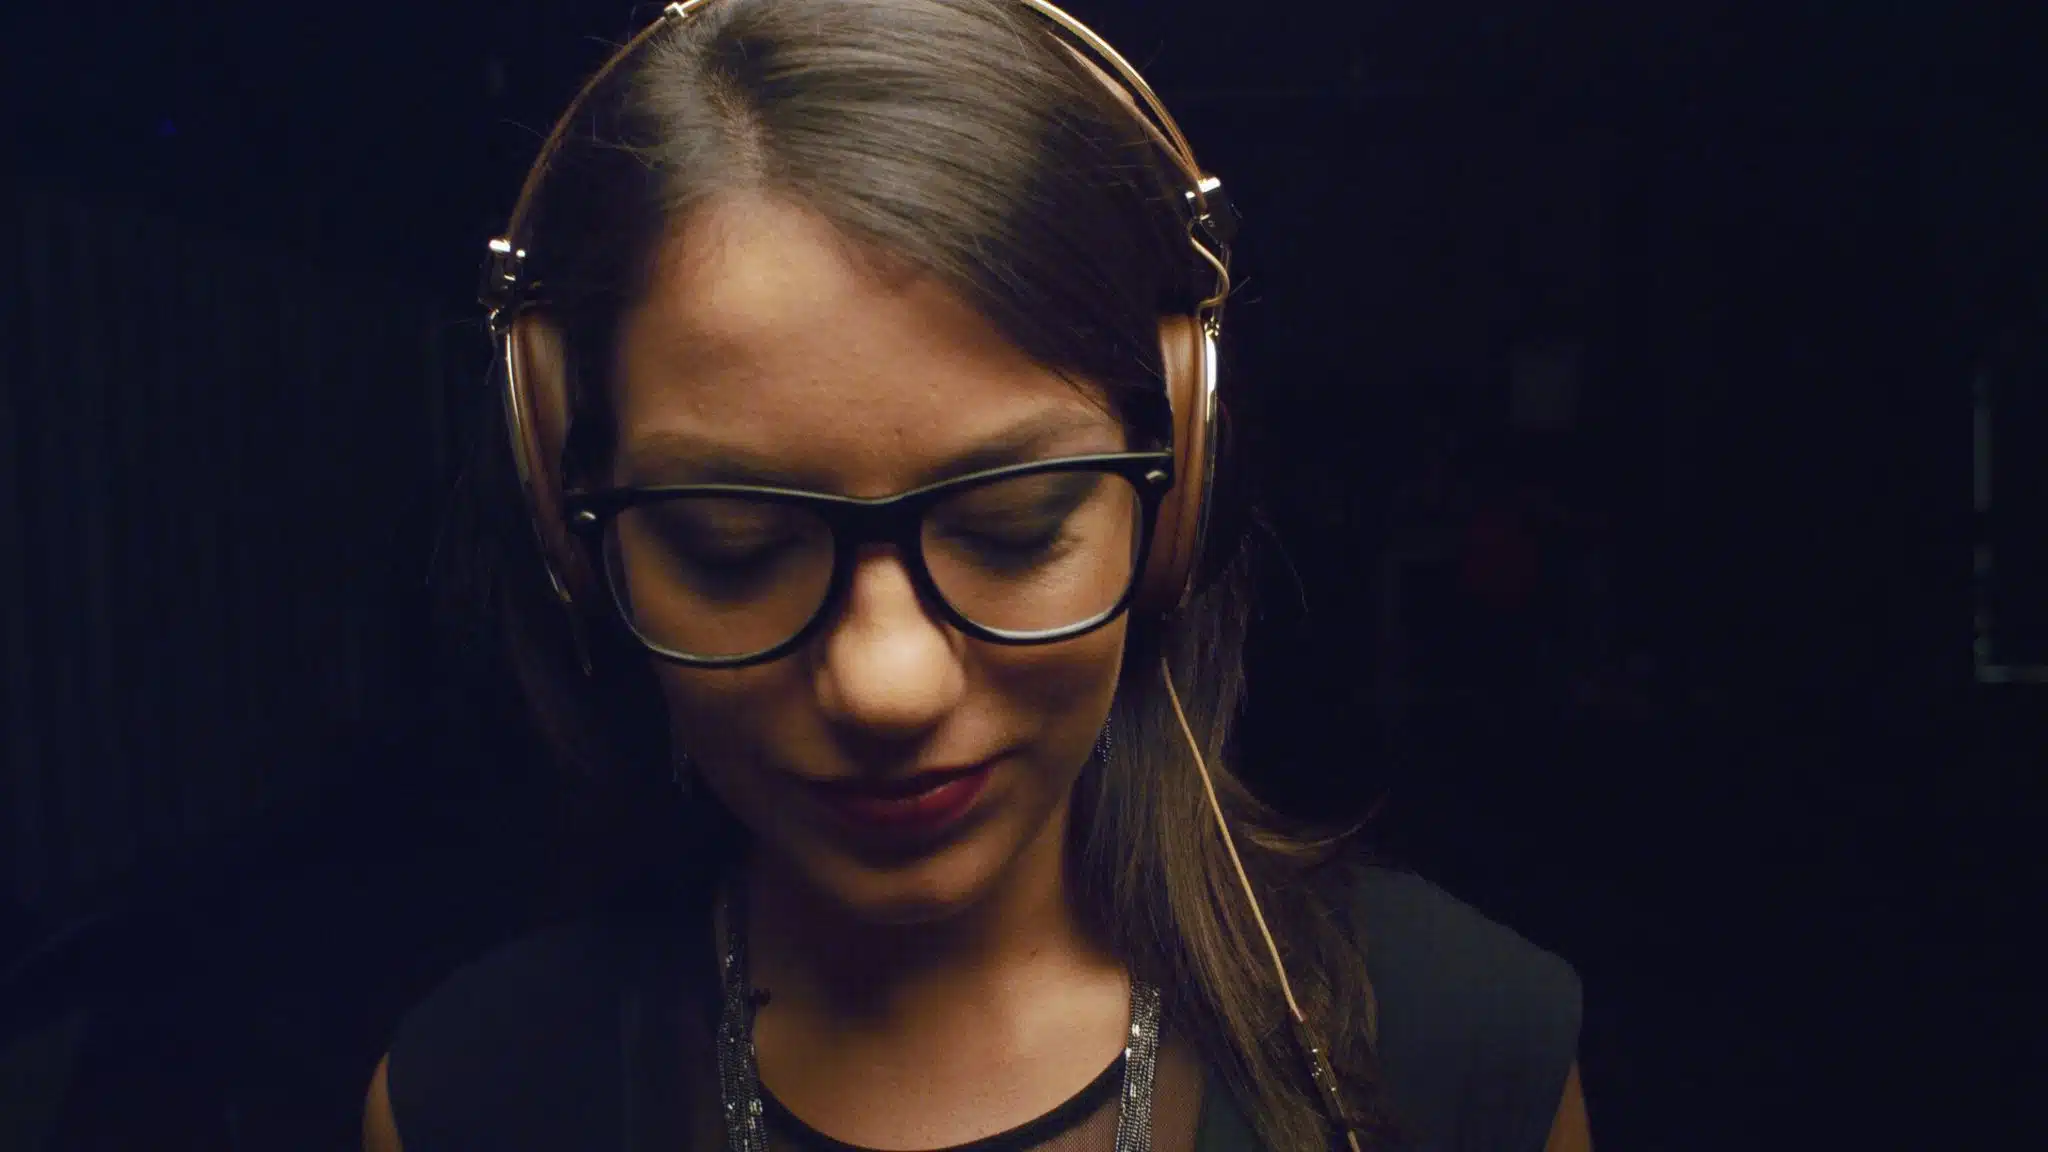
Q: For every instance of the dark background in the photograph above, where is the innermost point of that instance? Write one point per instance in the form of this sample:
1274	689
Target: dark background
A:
1615	368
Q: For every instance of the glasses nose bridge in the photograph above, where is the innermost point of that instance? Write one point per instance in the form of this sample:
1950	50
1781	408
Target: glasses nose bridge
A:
896	520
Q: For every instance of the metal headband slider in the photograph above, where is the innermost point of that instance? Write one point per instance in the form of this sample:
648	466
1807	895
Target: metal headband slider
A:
503	281
1213	213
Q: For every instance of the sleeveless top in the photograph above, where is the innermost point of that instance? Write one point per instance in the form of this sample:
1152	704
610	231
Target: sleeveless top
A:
558	1042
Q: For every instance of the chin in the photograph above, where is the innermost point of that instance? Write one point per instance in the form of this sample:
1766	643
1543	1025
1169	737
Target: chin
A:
925	889
928	885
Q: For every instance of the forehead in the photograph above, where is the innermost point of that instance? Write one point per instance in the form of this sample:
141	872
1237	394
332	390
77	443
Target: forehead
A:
767	332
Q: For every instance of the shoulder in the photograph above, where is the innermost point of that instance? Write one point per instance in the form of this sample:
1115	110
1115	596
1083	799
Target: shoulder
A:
1423	941
1478	1027
499	1054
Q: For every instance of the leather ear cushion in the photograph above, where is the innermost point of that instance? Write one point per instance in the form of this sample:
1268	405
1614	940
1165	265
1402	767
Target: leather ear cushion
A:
1176	536
537	417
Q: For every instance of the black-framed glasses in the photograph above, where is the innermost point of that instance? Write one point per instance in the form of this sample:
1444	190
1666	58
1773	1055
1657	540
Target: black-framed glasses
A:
724	575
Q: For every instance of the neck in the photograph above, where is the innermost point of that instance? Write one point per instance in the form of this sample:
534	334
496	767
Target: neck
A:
1025	929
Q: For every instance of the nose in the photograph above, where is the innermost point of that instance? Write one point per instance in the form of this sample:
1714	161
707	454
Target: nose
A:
887	668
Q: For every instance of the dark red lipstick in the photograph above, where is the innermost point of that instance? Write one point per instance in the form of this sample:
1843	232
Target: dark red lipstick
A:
920	805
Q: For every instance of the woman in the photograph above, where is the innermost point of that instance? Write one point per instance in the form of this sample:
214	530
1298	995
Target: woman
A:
959	863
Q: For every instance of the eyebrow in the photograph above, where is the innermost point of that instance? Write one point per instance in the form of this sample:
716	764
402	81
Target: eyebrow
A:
674	456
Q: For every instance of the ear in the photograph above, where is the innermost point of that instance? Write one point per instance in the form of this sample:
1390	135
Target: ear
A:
1176	539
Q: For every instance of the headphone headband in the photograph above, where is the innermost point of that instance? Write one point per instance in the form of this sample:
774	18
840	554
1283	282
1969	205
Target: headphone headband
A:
1211	218
1212	222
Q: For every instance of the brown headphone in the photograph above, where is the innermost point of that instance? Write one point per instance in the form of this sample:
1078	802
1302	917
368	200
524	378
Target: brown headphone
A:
537	407
535	389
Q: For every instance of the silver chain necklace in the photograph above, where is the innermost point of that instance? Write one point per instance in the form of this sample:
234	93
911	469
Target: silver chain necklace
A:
739	1077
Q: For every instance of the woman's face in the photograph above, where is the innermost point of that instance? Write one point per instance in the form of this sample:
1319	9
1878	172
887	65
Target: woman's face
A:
766	338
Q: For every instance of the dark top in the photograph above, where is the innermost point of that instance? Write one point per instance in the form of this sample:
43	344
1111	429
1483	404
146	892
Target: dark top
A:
549	1043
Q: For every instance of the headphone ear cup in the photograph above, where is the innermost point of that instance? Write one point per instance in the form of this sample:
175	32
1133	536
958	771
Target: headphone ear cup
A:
537	419
1187	352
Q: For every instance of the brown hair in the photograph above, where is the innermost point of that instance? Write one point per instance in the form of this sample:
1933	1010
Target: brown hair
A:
956	137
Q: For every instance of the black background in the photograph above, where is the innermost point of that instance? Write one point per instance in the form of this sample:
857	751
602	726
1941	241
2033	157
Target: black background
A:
1719	740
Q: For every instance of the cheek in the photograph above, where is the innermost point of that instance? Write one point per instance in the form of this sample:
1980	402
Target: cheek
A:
711	714
1062	691
723	720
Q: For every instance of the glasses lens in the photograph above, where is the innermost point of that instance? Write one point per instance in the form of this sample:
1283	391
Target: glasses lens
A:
718	577
1036	553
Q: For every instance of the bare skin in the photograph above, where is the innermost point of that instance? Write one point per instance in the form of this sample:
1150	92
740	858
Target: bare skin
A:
1571	1131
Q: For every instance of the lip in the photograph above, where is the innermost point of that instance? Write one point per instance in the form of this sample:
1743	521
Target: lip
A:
919	805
